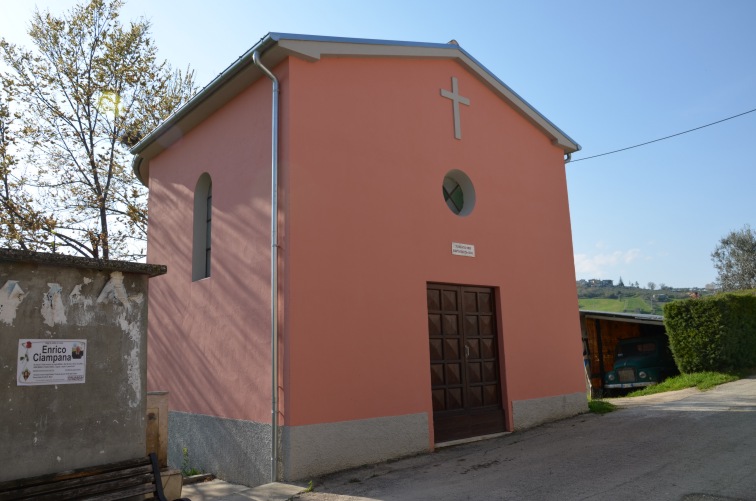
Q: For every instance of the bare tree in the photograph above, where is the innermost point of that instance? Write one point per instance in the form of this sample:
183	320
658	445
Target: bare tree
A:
651	285
735	260
90	88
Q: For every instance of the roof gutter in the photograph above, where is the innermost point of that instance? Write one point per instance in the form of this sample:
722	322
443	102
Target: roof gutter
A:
273	267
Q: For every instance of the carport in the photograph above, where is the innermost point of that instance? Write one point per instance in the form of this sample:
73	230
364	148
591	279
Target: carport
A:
601	330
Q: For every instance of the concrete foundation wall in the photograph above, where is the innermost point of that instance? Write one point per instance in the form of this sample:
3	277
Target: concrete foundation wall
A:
50	428
312	450
235	450
529	413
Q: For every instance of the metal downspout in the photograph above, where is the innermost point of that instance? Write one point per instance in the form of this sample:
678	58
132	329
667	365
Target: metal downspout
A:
273	270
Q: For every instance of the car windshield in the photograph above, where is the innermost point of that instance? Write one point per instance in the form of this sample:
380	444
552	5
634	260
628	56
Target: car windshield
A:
635	349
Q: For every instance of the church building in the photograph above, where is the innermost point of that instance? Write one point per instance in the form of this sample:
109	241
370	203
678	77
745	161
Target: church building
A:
369	255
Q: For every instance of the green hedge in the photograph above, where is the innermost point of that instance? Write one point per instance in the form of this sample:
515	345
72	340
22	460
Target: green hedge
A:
716	333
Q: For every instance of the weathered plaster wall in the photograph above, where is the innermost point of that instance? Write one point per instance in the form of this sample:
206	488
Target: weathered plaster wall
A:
52	428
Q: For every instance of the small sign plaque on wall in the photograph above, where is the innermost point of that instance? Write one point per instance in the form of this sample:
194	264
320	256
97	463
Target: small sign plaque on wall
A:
51	361
467	250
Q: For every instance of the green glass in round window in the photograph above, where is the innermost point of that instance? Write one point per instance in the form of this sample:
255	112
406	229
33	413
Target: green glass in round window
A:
453	194
458	192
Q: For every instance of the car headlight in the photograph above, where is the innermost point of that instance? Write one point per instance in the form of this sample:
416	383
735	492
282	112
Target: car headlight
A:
610	377
642	374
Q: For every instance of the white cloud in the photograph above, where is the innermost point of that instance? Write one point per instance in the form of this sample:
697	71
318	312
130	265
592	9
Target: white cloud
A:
630	255
604	264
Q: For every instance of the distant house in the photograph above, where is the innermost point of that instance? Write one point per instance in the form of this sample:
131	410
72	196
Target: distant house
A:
374	298
595	282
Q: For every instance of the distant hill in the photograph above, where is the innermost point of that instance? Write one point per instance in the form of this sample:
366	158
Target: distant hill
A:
629	299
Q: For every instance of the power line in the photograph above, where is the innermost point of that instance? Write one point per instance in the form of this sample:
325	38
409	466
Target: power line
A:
666	137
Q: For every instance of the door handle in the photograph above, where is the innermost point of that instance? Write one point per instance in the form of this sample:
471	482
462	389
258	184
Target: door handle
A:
467	351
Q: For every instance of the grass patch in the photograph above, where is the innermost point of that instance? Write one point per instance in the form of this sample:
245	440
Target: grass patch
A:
601	304
626	304
600	406
186	469
701	380
637	304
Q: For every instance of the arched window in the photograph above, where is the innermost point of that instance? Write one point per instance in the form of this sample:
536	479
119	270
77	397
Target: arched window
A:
203	218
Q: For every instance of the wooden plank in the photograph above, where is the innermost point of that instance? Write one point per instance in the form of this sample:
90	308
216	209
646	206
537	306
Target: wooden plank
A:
73	482
100	489
80	472
122	480
135	491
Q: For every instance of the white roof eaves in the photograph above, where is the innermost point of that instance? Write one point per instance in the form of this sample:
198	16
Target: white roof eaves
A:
210	98
274	47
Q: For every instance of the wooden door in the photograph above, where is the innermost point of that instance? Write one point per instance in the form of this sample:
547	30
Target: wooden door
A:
464	362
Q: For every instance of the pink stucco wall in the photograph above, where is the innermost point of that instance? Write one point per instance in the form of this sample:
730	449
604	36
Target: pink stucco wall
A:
371	141
365	147
209	340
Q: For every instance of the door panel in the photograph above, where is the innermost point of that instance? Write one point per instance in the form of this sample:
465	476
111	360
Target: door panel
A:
464	363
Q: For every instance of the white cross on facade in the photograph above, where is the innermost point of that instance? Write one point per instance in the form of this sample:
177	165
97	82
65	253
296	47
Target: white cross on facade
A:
456	99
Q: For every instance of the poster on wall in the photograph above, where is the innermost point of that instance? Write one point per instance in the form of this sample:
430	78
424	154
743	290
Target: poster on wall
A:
51	361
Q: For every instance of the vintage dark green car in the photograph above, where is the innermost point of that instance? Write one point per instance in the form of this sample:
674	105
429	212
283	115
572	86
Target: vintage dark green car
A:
639	362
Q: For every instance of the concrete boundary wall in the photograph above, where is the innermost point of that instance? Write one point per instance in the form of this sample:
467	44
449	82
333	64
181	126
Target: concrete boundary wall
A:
530	413
97	415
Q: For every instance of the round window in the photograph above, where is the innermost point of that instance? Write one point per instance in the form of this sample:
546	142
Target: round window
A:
459	193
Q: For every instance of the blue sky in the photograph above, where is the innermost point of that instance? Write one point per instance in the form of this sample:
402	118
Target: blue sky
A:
610	74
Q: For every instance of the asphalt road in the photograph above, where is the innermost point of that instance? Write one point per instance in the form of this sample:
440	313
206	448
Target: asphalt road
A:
687	445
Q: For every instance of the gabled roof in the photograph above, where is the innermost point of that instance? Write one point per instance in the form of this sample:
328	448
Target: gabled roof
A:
275	47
